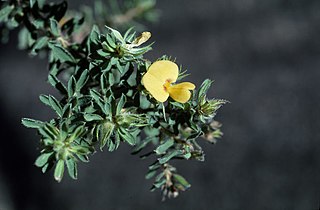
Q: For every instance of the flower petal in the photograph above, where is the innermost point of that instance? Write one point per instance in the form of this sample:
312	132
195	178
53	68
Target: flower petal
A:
180	92
164	70
155	87
184	85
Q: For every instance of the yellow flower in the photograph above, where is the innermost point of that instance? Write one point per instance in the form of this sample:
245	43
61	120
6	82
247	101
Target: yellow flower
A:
158	81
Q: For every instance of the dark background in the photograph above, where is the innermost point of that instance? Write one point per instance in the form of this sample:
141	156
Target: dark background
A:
264	58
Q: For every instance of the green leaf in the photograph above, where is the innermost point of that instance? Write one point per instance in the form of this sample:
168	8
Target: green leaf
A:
32	2
66	110
177	104
127	136
181	180
82	80
154	166
51	129
110	42
142	144
24	39
54	26
103	83
79	132
71	86
95	95
44	99
46	167
72	168
104	133
111	79
43	159
107	109
41	3
187	155
107	46
59	170
150	174
203	91
46	134
169	155
55	105
127	36
159	183
64	130
5	12
164	147
97	98
81	150
61	53
92	117
121	104
116	34
39	44
95	34
30	123
83	158
54	81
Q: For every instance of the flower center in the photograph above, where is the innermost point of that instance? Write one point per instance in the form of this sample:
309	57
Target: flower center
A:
166	85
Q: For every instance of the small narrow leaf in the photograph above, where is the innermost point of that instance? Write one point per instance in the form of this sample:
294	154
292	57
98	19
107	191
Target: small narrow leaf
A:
170	155
44	99
4	12
116	34
46	134
181	180
150	174
55	105
95	34
43	159
54	81
110	44
32	2
39	44
127	136
30	123
203	90
72	168
61	53
97	98
59	170
142	144
71	86
105	131
163	147
92	117
82	80
66	110
54	26
78	132
51	129
121	104
41	3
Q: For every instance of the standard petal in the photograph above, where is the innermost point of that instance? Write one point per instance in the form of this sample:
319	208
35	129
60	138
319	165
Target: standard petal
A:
180	92
155	87
164	70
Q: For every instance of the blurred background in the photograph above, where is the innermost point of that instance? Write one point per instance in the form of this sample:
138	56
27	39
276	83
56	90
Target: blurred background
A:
264	58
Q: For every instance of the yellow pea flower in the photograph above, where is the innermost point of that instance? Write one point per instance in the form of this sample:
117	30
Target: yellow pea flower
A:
158	81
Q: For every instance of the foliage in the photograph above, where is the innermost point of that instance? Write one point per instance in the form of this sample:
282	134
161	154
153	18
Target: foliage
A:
103	101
